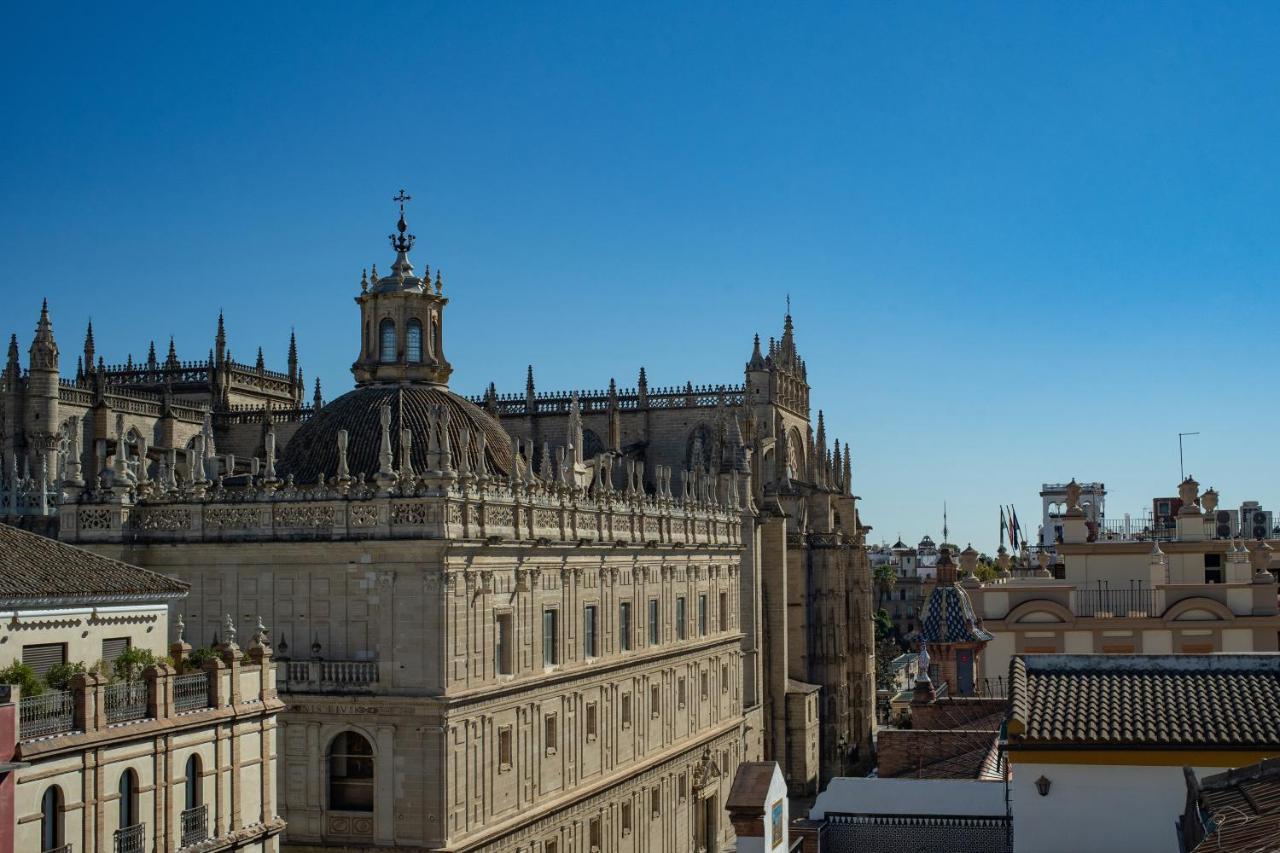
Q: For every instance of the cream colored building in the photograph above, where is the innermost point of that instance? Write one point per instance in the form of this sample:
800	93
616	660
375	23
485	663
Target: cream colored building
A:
1177	592
173	761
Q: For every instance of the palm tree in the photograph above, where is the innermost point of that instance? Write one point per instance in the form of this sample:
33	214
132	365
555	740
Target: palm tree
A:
886	578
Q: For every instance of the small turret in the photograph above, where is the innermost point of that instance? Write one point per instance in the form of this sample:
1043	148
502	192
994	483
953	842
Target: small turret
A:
756	361
44	349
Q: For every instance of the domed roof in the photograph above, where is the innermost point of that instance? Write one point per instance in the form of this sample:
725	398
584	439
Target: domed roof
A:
313	450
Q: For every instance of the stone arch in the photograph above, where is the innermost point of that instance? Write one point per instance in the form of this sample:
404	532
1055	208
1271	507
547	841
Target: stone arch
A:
1033	612
1190	610
350	771
592	446
797	454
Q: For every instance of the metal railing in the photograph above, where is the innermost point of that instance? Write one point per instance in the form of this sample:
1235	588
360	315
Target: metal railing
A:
131	839
66	848
191	692
1101	601
993	688
48	714
330	675
195	825
126	701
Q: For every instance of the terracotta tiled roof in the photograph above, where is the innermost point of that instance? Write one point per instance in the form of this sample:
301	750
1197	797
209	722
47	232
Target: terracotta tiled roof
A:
34	568
1171	701
1234	812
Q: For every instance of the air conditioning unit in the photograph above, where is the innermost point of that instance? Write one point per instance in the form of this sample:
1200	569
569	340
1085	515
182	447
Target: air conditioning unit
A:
1255	522
1226	523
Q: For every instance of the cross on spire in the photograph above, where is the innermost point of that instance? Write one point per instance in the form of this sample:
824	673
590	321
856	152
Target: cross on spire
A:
402	198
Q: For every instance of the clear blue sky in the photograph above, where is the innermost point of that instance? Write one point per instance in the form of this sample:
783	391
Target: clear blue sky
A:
1023	241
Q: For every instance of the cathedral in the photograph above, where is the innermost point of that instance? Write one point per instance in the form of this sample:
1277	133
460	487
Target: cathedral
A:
552	622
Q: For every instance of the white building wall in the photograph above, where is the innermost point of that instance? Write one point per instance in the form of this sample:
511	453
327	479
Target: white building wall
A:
1098	807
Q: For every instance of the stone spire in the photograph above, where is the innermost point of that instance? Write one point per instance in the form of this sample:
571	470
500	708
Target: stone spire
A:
316	399
44	349
151	357
260	364
220	341
528	382
642	390
293	356
757	359
88	345
171	360
13	367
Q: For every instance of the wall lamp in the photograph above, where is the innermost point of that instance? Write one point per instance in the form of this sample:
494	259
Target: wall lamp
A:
1042	785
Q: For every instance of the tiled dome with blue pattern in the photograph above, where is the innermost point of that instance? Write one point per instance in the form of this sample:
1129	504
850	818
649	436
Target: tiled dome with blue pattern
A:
947	617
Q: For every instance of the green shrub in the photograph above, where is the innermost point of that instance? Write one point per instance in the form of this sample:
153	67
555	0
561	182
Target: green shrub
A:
24	676
59	675
131	662
197	657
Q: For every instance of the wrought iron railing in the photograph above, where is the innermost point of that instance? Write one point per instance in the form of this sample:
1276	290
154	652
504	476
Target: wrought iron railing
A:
1103	600
993	688
131	839
191	691
126	701
48	714
195	825
65	848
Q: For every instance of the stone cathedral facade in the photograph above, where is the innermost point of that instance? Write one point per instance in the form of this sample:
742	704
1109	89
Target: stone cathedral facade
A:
548	622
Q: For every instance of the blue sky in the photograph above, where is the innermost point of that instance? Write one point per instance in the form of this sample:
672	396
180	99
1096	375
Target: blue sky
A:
1023	242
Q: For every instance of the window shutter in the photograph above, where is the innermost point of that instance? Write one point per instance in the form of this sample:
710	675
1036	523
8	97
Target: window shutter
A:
114	647
44	656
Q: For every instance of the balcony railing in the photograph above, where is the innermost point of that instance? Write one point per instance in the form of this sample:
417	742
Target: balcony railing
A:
48	714
191	692
195	825
131	839
993	688
66	848
126	701
329	675
1105	601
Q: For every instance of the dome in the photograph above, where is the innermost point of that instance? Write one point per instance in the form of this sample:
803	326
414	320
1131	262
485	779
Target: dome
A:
313	450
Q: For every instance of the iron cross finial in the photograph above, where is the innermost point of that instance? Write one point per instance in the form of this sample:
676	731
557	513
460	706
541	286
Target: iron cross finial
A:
402	198
788	303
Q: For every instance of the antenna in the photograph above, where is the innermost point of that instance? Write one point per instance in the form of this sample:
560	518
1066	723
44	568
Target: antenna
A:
945	534
1181	470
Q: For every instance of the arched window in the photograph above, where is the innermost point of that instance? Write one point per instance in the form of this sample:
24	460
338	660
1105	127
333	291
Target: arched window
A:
51	818
387	337
195	794
350	773
413	342
128	798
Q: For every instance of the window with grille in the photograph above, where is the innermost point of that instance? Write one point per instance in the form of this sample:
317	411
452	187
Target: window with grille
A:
413	342
113	647
653	622
655	700
550	637
504	644
624	626
626	710
724	611
680	618
504	748
702	616
387	345
549	733
593	721
589	631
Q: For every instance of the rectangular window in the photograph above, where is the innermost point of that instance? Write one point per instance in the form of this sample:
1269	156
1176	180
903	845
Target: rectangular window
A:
702	616
680	692
550	637
653	622
549	847
1213	568
655	802
503	645
680	620
593	721
655	700
504	748
706	684
589	631
724	611
549	733
624	626
724	678
44	656
595	833
683	786
626	710
626	818
113	647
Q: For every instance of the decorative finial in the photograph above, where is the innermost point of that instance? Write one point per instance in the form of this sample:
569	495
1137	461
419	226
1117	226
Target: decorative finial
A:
230	627
181	626
402	242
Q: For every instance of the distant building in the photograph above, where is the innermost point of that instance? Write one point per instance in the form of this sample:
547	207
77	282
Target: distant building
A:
1097	743
1135	591
179	758
1233	812
1053	501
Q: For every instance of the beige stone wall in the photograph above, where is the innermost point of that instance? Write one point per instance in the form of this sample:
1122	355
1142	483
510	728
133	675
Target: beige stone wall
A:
82	629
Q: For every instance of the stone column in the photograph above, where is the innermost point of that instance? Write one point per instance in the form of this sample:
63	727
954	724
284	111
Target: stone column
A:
384	780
